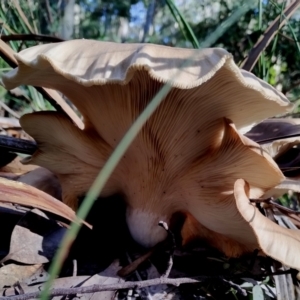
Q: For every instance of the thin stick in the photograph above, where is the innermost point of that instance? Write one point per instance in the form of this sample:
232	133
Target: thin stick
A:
31	37
284	209
99	288
129	285
271	201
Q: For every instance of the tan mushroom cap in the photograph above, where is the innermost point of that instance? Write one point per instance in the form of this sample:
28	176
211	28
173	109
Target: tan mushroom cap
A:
210	74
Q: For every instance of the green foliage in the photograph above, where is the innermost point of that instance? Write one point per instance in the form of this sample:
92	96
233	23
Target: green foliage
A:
183	24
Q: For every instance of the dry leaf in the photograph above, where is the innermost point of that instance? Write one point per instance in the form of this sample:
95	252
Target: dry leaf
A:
23	194
12	273
9	217
35	239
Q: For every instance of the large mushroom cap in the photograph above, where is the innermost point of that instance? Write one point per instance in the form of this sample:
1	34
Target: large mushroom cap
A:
210	74
188	155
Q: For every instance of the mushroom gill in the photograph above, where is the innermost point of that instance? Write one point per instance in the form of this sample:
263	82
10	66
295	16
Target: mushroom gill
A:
188	155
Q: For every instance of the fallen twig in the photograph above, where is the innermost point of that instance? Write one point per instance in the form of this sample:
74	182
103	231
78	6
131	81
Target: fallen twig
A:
109	287
31	37
270	201
132	285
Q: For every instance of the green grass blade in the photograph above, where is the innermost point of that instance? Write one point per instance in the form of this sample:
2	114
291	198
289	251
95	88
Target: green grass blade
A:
260	14
290	28
275	42
183	24
261	60
235	16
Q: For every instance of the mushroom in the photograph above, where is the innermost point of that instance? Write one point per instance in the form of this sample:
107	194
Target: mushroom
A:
189	155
